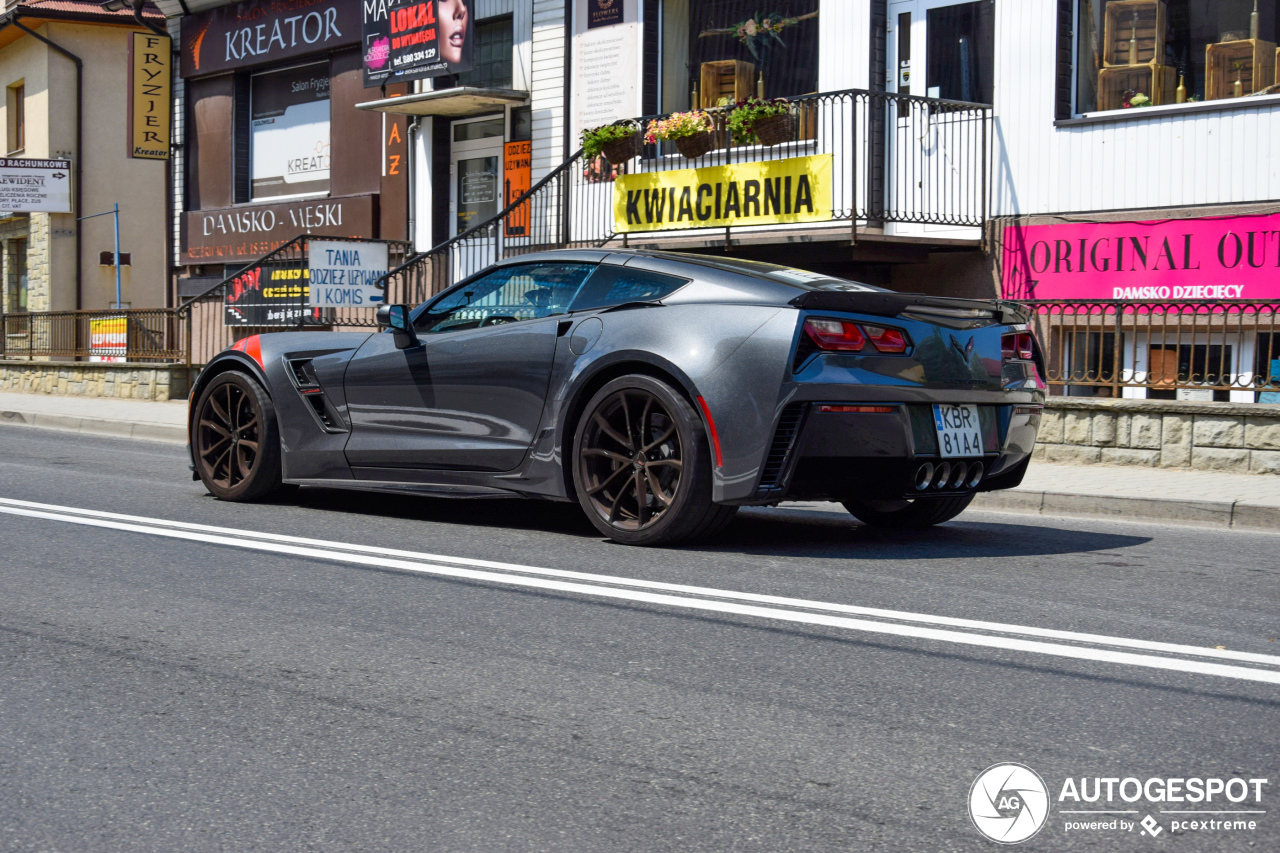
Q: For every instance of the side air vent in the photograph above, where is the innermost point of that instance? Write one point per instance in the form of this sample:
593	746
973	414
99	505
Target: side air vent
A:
804	349
773	475
322	411
303	373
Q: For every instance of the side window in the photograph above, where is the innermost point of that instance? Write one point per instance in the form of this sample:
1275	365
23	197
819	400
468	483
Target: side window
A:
508	295
618	285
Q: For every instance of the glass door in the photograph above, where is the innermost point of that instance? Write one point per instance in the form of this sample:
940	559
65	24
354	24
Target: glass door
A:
475	192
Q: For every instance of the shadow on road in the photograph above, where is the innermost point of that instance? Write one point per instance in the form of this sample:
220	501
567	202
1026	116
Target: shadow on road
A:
756	531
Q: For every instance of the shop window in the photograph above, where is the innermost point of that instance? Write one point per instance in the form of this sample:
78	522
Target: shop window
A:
1131	54
962	41
16	107
491	58
727	49
1267	367
16	277
1189	364
1091	358
289	132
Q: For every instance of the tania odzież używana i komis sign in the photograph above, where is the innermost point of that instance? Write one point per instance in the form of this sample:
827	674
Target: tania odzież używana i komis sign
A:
773	192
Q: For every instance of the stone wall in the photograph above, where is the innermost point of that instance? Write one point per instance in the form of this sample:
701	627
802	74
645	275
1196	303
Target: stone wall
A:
124	380
1231	437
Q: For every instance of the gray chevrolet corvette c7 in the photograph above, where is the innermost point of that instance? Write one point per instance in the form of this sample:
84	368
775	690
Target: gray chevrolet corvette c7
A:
659	391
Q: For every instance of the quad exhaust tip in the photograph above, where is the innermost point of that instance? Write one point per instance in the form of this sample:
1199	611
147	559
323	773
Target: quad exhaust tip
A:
948	475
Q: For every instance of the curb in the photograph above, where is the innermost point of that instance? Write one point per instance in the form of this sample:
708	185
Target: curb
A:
144	430
1234	515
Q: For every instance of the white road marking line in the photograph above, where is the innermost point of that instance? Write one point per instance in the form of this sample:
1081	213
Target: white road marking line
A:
822	606
911	631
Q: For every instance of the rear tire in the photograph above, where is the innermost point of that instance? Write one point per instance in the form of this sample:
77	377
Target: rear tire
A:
235	439
908	515
642	466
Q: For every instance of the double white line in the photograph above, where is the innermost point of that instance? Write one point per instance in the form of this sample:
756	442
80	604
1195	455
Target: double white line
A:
969	632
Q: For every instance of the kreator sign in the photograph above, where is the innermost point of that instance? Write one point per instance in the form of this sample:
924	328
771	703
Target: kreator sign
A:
1169	261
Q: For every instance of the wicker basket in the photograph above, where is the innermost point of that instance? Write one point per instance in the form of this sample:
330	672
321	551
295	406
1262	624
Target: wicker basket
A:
619	151
775	130
697	145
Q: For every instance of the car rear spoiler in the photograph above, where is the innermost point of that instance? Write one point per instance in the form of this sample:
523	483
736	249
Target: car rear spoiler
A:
887	304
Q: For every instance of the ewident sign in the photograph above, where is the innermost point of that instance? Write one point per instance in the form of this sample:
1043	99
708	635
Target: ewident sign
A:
772	192
1234	257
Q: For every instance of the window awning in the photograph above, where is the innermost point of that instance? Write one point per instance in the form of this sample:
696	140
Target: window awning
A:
458	102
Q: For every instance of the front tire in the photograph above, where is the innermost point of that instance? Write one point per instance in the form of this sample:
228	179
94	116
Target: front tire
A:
642	467
235	439
908	515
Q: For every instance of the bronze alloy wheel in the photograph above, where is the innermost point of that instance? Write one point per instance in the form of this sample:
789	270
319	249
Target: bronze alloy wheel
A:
235	440
630	460
229	436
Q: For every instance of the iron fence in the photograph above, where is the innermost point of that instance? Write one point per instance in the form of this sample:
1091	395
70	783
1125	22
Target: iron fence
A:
1205	350
895	158
271	295
125	335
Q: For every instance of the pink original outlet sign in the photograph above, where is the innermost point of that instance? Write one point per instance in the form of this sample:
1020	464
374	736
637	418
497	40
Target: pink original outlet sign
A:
1175	260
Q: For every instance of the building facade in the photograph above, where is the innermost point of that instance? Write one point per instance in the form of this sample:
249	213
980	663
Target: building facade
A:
1042	150
65	66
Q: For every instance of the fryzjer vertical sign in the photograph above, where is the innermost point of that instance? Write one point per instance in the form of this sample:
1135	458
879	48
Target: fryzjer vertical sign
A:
29	186
150	72
343	274
411	39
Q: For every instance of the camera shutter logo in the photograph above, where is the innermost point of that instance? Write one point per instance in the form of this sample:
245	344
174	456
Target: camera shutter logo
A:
1008	803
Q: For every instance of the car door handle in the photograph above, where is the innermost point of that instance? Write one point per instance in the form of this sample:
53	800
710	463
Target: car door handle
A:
562	327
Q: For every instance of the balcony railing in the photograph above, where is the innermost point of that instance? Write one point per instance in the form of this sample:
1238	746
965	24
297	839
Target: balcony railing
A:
1208	350
895	159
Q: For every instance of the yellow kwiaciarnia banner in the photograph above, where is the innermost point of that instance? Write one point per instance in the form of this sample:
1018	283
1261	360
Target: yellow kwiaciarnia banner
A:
762	193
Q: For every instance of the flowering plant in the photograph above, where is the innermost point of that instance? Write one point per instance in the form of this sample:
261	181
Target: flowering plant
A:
678	126
599	170
753	30
743	118
594	141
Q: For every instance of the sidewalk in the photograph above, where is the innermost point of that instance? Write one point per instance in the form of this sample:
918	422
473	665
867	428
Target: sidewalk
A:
97	415
1201	498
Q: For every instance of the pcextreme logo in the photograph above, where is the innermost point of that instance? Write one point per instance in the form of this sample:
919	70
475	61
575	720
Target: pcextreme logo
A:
1009	803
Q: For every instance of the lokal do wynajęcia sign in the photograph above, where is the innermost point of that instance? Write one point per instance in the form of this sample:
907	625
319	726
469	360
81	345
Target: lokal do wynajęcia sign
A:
246	233
258	31
1235	257
412	39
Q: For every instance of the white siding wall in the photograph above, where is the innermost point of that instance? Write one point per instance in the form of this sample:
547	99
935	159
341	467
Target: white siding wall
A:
844	44
1216	157
550	73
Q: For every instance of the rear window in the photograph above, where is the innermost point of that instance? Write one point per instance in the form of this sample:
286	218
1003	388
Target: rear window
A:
792	276
619	285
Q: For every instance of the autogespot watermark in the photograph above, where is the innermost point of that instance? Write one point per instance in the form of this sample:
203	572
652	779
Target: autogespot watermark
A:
1009	803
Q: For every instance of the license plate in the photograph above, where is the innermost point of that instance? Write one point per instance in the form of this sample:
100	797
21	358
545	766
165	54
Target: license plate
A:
959	433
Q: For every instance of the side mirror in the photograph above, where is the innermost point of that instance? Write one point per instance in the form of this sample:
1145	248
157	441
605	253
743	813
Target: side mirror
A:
396	318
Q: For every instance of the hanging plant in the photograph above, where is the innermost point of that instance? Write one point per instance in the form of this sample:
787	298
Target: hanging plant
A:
691	132
619	142
755	120
755	32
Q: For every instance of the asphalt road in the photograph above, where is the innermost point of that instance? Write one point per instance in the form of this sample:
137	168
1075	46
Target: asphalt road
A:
170	688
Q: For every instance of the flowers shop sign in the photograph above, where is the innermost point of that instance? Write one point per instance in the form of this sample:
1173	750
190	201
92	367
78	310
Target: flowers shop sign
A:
773	192
1186	259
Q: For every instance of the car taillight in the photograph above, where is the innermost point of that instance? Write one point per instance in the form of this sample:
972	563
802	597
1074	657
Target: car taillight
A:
843	336
1017	345
835	335
886	340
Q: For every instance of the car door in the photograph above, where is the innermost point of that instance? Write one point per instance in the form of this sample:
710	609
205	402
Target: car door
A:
470	395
